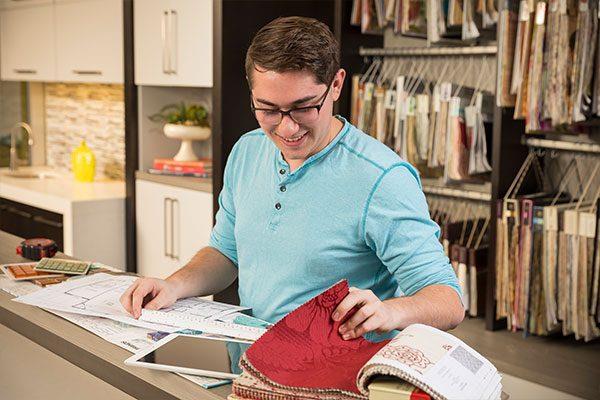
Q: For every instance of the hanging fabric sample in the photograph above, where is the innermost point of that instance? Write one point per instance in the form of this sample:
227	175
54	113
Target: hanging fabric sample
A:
506	49
457	144
534	97
469	28
478	163
422	127
583	60
400	118
522	54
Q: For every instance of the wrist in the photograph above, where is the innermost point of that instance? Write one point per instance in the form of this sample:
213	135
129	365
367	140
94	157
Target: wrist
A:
400	312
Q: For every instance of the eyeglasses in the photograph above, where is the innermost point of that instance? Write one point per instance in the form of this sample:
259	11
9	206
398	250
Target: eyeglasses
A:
300	115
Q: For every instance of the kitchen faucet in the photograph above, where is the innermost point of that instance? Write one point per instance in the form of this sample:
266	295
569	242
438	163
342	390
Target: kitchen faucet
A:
14	164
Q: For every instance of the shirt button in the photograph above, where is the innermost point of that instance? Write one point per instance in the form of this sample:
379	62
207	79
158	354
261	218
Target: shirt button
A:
282	188
282	171
278	206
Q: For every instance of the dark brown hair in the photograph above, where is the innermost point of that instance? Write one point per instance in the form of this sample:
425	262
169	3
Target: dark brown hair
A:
294	44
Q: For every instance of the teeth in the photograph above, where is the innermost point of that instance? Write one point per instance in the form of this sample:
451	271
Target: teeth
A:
294	140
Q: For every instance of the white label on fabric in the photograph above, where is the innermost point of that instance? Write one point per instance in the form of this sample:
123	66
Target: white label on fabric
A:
445	91
551	218
455	106
553	6
540	13
587	225
524	10
571	219
583	5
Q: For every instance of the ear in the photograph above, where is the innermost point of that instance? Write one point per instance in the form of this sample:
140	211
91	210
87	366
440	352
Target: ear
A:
338	83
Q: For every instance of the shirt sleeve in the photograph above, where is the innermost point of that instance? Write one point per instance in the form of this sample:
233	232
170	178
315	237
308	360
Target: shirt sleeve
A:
397	226
222	236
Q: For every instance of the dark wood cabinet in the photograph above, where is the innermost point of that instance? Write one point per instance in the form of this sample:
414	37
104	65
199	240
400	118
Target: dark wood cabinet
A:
29	222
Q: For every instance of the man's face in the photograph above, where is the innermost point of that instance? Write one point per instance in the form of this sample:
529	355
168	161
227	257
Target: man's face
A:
289	90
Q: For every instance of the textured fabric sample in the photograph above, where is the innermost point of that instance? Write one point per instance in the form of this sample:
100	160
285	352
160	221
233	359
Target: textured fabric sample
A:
305	350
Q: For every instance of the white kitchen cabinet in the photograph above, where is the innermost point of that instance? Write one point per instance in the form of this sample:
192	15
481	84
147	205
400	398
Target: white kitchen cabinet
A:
89	41
173	42
27	43
172	224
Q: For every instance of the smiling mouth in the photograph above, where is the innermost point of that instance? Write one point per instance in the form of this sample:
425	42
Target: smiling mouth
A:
293	139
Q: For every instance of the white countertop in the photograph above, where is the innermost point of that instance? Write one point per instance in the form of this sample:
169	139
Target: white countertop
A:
58	192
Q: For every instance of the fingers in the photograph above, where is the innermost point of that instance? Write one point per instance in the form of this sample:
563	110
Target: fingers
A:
373	323
126	296
364	313
355	297
137	298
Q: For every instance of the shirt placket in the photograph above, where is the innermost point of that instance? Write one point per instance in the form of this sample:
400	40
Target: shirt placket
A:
278	198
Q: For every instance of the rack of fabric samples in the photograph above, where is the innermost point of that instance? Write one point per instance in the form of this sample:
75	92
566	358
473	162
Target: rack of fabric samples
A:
414	101
435	20
549	64
548	244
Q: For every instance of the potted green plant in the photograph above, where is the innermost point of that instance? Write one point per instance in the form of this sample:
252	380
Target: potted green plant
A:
184	122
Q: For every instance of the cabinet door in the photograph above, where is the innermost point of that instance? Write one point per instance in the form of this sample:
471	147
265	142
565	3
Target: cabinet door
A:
193	221
89	41
153	230
27	50
173	42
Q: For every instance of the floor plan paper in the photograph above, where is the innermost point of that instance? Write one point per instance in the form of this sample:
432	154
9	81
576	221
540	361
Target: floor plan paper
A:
95	295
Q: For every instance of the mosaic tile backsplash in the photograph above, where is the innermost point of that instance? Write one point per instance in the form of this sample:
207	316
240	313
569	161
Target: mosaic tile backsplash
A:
91	112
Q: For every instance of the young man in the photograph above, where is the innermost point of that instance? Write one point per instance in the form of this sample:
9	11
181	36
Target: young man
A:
308	200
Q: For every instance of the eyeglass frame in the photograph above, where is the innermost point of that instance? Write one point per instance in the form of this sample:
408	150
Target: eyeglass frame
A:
289	112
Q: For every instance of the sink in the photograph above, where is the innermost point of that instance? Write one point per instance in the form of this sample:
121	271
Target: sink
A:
30	174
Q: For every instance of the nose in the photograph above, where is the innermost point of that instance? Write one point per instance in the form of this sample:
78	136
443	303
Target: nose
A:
287	127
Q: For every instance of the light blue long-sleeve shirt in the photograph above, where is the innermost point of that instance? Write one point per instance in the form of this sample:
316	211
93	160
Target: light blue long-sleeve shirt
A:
354	211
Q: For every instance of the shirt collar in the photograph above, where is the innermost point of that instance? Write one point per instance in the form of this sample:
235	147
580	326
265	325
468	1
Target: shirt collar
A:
323	152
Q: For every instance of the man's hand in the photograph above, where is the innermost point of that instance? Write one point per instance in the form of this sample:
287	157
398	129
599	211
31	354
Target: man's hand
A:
161	294
372	314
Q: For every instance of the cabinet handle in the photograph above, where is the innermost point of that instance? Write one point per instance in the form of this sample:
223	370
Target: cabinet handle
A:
46	221
166	240
85	72
173	24
174	256
163	35
25	71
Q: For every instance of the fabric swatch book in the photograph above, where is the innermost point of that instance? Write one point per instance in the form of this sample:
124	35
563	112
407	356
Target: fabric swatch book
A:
304	357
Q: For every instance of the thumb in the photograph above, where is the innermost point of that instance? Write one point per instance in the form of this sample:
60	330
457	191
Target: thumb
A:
161	300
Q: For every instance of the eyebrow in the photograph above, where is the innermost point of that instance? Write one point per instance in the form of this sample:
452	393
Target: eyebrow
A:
295	102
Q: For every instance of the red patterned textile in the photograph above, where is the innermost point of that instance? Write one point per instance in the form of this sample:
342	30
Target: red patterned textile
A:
305	350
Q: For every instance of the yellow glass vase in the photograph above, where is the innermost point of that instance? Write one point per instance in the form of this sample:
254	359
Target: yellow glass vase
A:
83	163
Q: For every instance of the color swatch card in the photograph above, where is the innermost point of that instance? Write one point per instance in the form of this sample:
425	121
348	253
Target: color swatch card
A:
25	271
70	267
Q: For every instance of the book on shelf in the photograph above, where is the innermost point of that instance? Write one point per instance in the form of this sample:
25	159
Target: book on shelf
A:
155	171
303	356
200	166
183	168
200	163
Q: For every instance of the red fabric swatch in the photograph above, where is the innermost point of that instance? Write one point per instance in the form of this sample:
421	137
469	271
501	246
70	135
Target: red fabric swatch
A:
305	349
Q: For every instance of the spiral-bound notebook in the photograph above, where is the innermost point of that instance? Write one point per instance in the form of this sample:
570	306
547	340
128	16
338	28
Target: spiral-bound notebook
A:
206	316
304	357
